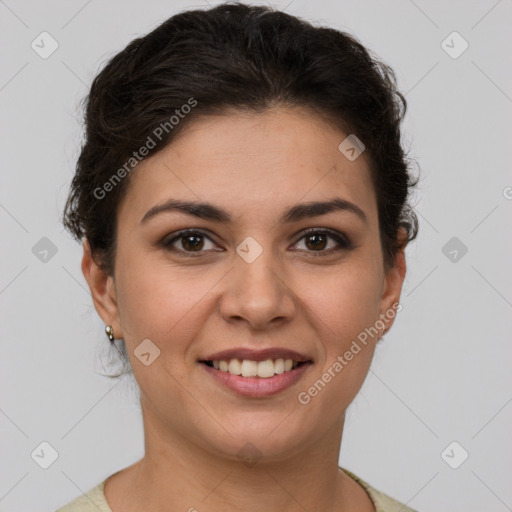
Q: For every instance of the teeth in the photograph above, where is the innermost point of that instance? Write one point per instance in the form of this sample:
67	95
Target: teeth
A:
234	367
263	369
266	368
249	368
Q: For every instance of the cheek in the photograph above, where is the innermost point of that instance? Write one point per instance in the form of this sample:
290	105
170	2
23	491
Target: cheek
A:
161	301
345	308
344	303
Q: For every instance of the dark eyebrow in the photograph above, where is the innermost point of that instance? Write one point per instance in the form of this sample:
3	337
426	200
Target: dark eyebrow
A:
294	213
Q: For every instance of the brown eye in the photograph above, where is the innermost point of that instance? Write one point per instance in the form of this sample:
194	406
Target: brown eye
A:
316	240
188	242
192	242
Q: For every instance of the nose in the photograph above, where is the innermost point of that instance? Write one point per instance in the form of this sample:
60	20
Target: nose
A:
258	293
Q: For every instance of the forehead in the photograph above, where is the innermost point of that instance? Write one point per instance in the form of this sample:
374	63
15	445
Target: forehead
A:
255	163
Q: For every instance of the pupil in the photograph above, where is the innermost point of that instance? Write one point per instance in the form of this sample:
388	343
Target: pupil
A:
316	237
192	245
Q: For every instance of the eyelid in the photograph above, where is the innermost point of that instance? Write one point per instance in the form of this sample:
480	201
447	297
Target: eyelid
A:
331	232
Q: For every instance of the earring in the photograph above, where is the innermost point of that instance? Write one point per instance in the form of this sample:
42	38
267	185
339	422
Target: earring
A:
110	332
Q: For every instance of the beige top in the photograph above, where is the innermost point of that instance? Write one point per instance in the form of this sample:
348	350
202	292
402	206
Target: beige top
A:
94	499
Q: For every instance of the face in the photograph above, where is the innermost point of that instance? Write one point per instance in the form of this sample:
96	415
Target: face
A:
309	281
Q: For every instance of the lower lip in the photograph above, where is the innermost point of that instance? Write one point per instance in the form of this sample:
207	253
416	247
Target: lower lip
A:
256	386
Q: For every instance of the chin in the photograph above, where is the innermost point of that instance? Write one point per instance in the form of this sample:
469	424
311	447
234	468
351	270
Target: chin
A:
250	442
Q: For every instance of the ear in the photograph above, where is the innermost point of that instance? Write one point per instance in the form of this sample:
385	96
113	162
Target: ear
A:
393	282
103	291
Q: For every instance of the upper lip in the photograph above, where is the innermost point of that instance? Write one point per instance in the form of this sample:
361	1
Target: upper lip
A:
257	355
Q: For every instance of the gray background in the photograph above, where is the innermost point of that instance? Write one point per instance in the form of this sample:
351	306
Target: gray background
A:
443	372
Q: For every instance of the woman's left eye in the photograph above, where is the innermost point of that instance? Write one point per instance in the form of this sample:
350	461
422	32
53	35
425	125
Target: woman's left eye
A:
316	240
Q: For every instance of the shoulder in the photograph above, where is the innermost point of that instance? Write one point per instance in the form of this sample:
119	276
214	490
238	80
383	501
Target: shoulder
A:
91	501
381	501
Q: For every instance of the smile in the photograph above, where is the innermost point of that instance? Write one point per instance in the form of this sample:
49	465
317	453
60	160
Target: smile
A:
247	368
256	378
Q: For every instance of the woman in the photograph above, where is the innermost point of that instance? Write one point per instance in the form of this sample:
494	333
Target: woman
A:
242	195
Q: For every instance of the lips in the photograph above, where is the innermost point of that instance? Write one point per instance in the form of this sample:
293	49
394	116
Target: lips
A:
256	373
258	387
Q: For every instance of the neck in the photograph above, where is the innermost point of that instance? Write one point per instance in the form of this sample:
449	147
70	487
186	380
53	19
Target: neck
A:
176	472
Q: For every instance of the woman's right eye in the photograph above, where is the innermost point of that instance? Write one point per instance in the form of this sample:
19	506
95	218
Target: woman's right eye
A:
191	241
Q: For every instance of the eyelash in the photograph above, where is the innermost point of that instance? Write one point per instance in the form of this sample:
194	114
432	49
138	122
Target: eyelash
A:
344	243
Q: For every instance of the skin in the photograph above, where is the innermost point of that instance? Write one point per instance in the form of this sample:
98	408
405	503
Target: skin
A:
254	166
